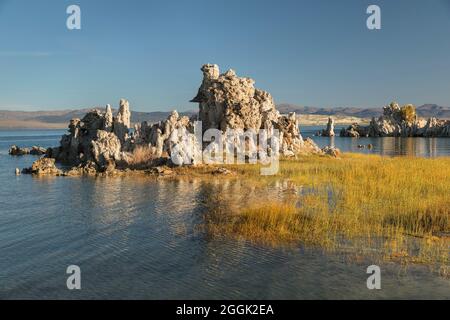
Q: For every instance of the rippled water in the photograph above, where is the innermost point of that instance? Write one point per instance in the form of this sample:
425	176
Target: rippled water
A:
137	238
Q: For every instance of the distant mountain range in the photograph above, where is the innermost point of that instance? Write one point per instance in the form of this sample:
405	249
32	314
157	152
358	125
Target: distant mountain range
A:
60	118
424	111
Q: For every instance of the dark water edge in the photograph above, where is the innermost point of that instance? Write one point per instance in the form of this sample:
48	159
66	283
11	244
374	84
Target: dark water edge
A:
137	239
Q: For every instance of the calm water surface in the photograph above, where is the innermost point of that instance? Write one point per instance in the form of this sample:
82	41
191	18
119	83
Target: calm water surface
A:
138	238
387	146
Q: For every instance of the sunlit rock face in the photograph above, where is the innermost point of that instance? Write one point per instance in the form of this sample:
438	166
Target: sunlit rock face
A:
394	122
43	166
227	101
97	138
122	121
105	148
399	121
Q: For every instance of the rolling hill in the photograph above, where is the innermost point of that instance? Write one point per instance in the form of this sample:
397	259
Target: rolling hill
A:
58	119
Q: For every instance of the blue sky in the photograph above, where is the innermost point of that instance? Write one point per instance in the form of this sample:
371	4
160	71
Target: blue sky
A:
315	53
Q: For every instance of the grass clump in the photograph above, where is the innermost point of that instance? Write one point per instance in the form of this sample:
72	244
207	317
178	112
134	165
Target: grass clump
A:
142	157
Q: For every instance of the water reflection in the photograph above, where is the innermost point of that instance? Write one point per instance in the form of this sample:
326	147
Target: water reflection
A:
131	235
387	146
390	146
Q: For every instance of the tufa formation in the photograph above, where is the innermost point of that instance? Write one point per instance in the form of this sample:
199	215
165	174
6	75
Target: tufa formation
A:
102	142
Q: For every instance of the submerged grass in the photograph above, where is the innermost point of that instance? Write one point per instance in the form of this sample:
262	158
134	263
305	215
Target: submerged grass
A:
399	207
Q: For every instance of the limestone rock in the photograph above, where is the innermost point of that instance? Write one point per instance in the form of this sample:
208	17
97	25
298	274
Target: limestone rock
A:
17	151
329	131
310	147
37	151
34	150
122	121
436	128
174	136
331	151
352	131
109	120
98	137
292	141
399	121
106	148
227	101
43	166
101	141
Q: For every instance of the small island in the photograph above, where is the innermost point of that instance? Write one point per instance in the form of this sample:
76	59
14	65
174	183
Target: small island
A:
101	142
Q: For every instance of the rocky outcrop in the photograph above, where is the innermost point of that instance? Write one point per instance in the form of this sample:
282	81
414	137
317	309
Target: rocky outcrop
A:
18	151
98	138
399	121
331	151
353	131
101	141
43	166
174	135
121	122
109	119
395	121
435	128
329	130
227	101
37	151
34	150
106	148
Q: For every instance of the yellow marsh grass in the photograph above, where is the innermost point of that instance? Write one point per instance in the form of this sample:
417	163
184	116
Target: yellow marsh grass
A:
403	202
142	156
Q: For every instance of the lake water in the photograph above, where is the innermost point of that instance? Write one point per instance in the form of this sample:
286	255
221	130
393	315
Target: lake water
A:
138	238
387	146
